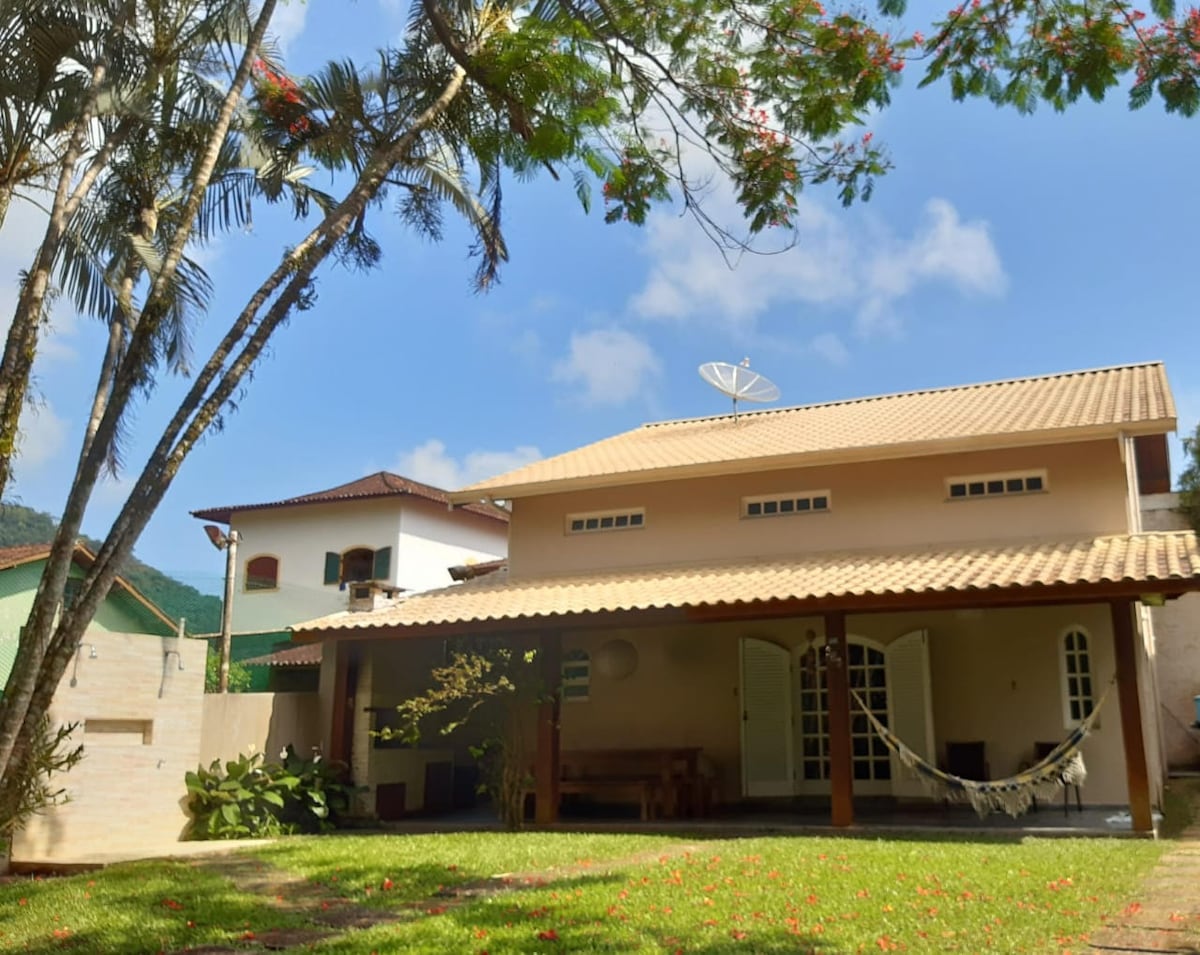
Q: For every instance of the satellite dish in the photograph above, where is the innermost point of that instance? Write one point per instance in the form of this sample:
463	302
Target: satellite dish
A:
739	382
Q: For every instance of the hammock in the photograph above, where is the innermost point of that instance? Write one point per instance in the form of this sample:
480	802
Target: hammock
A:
1013	795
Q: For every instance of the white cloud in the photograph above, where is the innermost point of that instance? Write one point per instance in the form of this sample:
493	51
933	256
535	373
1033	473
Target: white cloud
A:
830	347
430	463
288	22
866	270
611	365
41	438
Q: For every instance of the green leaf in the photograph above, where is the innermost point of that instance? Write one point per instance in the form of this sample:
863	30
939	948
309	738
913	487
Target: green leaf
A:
273	798
231	813
1163	9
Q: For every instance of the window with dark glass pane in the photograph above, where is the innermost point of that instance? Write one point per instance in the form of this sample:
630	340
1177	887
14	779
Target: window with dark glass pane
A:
622	520
635	520
770	507
804	504
958	490
605	523
995	487
577	525
1033	484
262	573
786	507
820	503
975	488
1014	485
754	508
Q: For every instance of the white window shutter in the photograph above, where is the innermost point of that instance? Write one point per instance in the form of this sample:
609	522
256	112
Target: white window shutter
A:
767	749
910	700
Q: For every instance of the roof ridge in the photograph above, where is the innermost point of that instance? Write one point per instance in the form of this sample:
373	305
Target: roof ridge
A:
886	396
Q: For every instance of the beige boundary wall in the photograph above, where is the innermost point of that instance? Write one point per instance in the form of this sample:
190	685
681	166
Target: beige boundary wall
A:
1177	632
137	699
237	723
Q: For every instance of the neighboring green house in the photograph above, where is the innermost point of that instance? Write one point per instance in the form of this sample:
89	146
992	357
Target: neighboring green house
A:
125	609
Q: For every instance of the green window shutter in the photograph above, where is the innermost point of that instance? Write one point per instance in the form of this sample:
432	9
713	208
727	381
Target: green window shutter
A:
333	567
383	564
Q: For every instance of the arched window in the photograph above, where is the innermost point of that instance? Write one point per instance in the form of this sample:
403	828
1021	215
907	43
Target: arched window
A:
866	671
1079	697
358	564
262	573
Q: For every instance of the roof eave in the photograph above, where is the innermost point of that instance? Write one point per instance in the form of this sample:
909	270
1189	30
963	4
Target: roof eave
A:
864	454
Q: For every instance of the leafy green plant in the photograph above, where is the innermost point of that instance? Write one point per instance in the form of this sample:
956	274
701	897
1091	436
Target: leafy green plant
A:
34	790
1189	481
494	690
249	797
239	675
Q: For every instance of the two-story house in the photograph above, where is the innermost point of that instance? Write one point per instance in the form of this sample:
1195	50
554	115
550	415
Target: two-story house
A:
968	561
298	557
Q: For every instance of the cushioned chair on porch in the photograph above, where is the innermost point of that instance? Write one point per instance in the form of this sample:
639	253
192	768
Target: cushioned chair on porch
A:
967	760
1040	752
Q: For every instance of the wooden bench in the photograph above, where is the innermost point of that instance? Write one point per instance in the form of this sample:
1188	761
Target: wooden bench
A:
661	781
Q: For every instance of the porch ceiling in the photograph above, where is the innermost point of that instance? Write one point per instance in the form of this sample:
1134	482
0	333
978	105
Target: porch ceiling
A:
996	573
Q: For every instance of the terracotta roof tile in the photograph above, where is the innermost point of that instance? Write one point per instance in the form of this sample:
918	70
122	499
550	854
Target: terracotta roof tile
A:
1133	398
1139	558
22	554
379	484
308	655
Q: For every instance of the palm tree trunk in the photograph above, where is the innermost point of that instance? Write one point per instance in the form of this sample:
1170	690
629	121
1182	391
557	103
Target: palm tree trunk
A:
46	648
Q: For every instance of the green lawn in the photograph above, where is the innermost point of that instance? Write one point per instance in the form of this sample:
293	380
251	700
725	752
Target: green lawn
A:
537	892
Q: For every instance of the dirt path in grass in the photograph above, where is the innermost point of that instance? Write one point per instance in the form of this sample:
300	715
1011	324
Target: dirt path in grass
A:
1165	918
329	916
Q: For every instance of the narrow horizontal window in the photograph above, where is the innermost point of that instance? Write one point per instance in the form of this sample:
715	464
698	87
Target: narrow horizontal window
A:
995	485
622	520
779	505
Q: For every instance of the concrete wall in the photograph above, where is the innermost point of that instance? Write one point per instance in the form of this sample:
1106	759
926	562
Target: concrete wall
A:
138	715
237	723
1177	633
425	539
995	676
893	504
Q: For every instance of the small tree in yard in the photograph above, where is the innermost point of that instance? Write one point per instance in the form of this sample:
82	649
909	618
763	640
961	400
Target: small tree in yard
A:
1189	481
493	695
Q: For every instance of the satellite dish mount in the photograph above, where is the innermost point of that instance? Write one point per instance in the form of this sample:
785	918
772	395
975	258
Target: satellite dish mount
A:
739	382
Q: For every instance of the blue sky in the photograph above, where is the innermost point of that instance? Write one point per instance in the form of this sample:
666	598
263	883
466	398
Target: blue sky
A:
998	246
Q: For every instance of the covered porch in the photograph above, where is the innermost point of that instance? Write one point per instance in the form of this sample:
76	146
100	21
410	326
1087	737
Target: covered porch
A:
751	666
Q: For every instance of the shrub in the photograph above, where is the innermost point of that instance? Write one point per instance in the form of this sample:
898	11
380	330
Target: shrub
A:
239	674
35	789
249	797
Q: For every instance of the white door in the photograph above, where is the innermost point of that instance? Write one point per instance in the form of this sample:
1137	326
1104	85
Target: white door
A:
766	719
911	705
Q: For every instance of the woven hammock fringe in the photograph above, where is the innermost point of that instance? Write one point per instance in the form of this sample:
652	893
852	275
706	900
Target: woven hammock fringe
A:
1013	795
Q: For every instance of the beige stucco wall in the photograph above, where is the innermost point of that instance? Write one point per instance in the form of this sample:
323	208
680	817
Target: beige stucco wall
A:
234	724
1177	632
995	676
127	794
893	504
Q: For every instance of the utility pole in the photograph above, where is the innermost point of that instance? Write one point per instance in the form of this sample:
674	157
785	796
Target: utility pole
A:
228	543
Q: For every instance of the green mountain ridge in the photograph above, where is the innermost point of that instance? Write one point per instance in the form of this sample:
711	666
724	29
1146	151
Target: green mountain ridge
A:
202	612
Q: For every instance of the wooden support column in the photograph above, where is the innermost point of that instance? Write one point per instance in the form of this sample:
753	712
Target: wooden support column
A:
546	769
841	776
345	686
1136	773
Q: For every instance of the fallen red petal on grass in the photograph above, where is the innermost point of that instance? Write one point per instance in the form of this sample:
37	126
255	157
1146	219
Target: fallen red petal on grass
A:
1132	908
547	935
